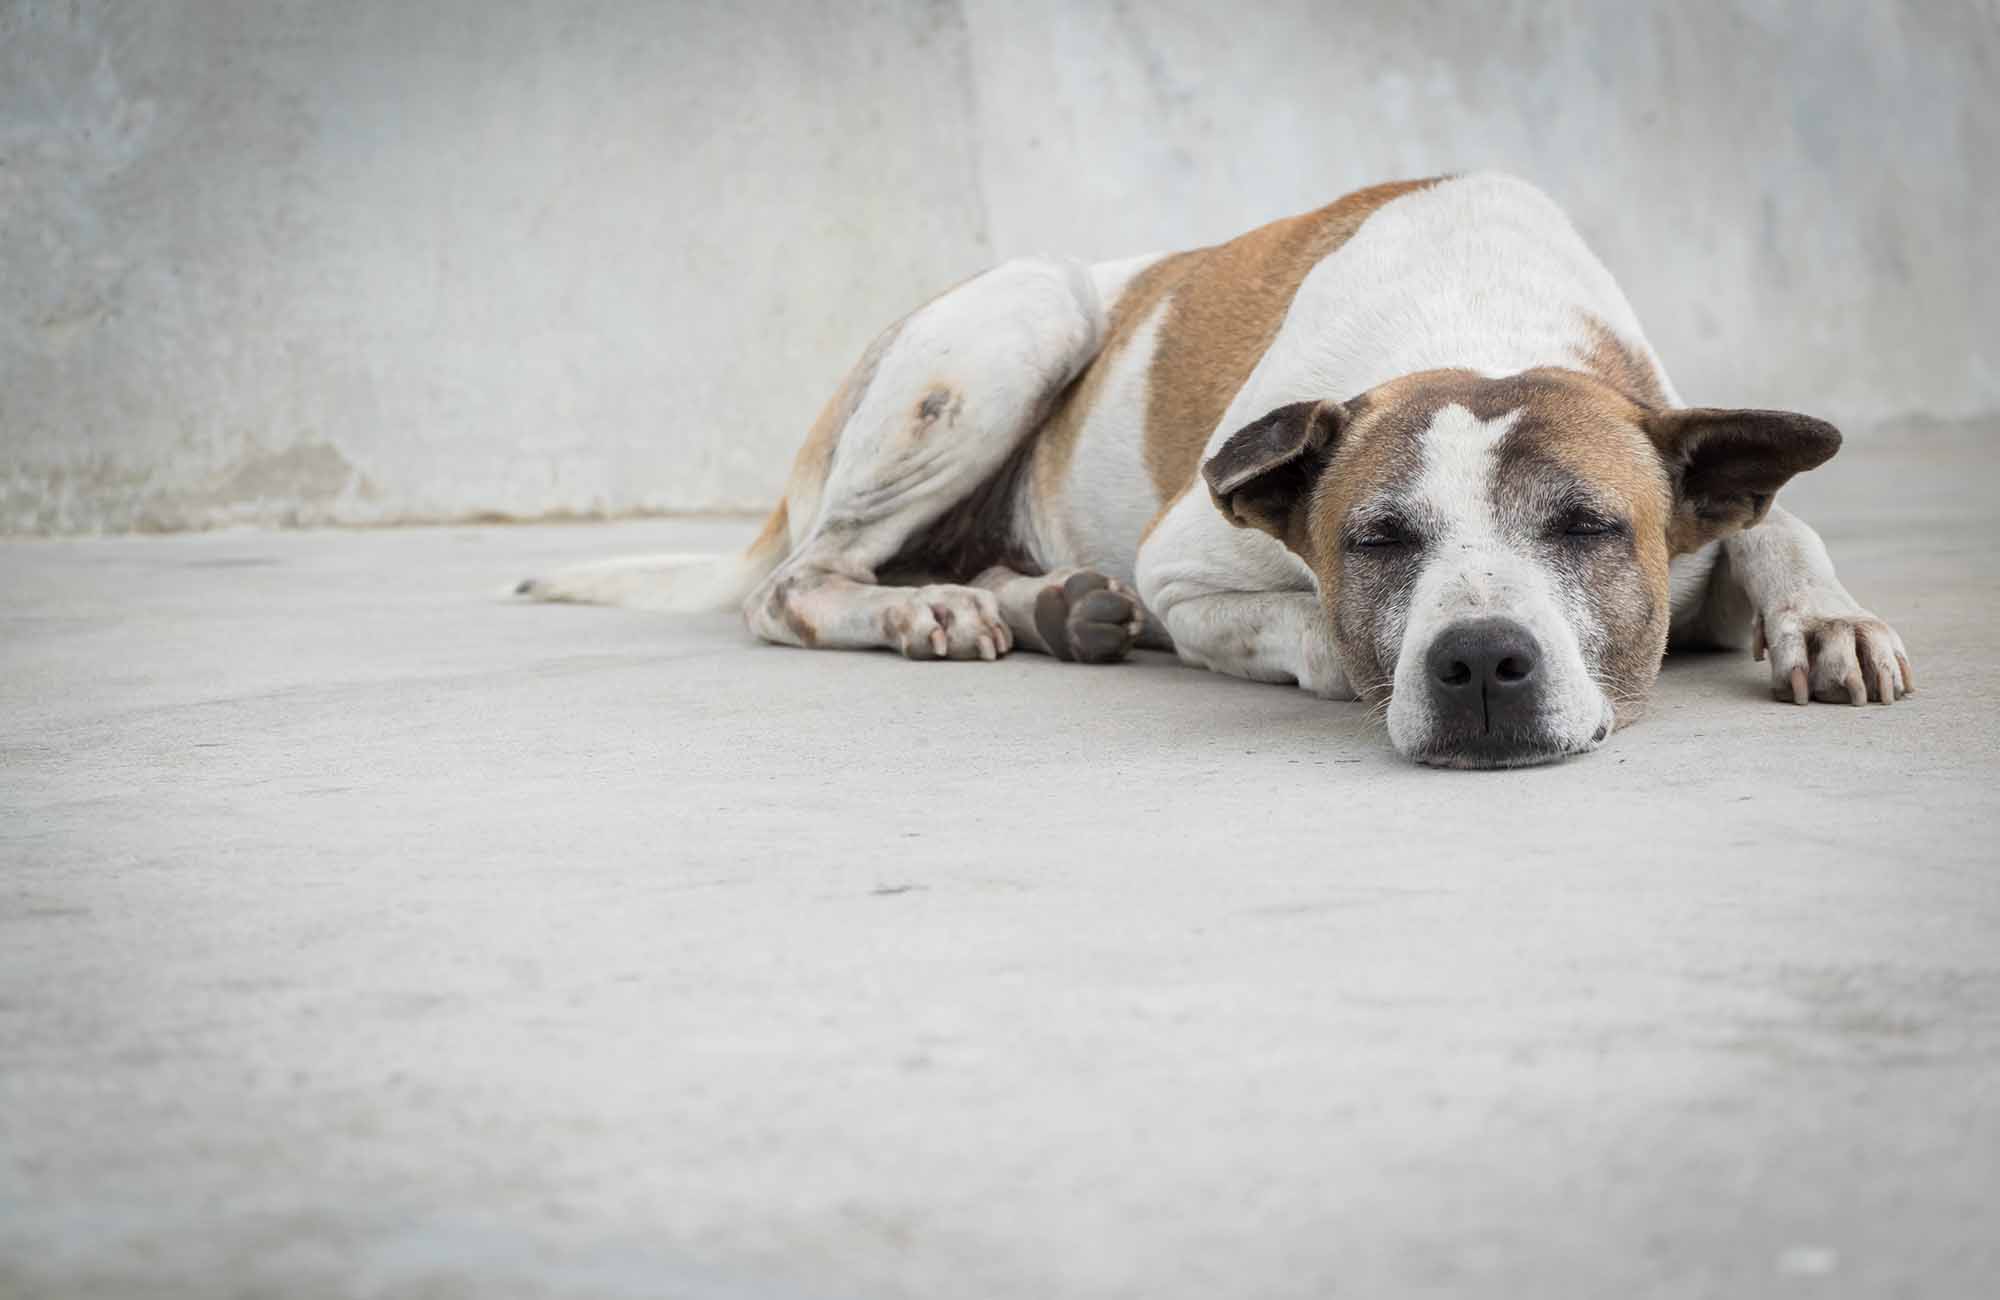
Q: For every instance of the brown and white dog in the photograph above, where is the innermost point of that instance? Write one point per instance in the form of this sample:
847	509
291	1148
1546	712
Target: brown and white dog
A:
1411	449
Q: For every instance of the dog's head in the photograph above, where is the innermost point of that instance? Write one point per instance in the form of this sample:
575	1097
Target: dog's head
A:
1493	552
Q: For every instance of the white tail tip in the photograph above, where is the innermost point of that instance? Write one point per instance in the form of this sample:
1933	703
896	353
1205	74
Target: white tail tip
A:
677	584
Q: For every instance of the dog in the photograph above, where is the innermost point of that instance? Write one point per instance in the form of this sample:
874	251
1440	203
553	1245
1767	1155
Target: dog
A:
1410	449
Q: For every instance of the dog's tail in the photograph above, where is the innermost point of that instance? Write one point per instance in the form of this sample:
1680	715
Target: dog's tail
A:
675	584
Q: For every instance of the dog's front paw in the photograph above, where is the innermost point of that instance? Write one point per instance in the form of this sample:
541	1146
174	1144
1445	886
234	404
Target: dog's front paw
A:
1084	617
1823	646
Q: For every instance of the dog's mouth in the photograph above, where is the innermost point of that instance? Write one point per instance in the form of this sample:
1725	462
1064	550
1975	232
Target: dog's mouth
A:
1501	751
1466	749
1514	748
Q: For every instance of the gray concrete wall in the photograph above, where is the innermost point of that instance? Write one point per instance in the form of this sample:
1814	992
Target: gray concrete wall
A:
371	261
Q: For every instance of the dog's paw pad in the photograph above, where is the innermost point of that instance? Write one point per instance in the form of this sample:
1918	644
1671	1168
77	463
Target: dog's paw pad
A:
1088	618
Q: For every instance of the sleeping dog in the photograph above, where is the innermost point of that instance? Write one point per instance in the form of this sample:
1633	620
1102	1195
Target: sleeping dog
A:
1411	449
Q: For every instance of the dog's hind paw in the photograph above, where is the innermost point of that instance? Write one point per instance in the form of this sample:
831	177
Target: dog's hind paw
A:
948	622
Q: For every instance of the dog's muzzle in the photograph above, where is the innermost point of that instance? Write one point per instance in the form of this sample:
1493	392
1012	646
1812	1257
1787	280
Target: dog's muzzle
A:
1488	695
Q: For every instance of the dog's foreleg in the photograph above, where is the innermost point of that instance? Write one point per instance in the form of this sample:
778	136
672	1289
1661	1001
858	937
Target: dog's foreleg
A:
1236	602
1775	584
1266	636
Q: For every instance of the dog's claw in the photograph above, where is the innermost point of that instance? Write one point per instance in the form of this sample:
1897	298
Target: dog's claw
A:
947	622
1831	650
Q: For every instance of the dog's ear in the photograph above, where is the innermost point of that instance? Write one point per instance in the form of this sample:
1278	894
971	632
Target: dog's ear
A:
1262	477
1727	465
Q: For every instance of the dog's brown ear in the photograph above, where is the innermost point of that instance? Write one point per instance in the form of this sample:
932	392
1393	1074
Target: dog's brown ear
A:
1727	465
1263	475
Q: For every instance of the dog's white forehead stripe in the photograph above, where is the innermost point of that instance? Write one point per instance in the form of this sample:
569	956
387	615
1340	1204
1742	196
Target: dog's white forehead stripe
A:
1472	570
1456	484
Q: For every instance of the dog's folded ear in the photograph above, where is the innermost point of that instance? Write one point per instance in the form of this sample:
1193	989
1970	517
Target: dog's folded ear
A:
1263	476
1727	465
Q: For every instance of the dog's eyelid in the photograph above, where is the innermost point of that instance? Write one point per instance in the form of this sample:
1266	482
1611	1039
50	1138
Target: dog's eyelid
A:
1377	526
1587	517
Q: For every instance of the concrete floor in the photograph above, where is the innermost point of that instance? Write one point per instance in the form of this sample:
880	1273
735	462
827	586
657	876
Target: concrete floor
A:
362	934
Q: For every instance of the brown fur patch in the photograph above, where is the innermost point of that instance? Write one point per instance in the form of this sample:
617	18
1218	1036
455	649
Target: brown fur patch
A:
1224	314
1223	307
1056	442
940	403
1379	452
785	604
1589	430
775	535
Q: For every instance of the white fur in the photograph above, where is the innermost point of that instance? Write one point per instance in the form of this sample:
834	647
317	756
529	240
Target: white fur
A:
1785	580
1097	514
1237	602
1482	273
668	584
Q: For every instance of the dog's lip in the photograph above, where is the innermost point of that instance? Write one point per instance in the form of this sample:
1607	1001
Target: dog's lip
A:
1511	750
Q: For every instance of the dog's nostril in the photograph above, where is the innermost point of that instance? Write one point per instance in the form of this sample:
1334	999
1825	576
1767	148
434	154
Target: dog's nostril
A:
1485	665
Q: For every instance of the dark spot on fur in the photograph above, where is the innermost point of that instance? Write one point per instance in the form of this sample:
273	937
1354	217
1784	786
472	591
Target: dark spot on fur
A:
938	404
782	606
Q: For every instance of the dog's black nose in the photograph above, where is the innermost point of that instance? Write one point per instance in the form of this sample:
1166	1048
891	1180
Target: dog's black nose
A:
1483	676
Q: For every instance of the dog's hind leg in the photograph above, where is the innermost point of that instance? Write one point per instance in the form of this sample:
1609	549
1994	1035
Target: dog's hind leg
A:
937	408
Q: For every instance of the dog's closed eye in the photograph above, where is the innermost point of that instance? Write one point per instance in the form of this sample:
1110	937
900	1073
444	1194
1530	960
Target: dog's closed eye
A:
1382	533
1586	522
